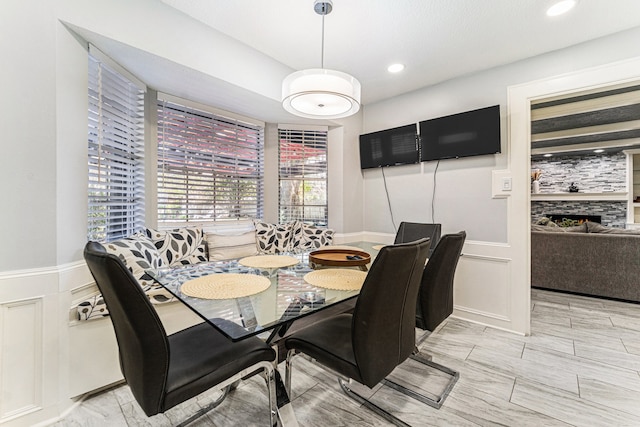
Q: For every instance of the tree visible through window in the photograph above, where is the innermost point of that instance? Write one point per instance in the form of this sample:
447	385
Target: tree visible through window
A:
210	168
303	176
116	154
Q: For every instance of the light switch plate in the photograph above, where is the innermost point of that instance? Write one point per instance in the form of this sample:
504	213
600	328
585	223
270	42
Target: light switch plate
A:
501	183
506	183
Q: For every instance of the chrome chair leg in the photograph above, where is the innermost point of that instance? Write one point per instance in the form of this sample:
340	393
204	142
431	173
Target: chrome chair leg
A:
269	376
345	385
287	371
434	403
209	407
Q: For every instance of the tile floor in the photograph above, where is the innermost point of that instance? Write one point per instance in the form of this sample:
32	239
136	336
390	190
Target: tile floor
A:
579	367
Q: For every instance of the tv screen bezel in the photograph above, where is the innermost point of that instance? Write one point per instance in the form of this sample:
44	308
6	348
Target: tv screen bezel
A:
491	113
385	134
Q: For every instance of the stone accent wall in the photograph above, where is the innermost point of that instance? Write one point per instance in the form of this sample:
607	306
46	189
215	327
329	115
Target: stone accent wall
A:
613	213
592	173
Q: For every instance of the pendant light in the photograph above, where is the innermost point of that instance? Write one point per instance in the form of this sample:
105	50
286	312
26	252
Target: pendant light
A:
320	93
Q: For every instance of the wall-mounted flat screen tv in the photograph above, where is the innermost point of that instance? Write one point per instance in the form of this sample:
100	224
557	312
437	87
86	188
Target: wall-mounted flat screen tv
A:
471	133
390	147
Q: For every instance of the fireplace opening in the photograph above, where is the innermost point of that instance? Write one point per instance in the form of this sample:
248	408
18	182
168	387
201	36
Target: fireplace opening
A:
579	218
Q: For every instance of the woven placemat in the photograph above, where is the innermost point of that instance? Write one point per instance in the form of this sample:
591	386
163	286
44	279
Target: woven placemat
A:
378	247
225	286
340	279
269	261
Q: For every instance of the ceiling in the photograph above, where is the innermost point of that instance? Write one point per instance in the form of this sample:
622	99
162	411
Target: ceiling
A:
436	40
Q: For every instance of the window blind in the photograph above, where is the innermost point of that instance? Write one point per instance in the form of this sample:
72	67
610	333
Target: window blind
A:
210	168
303	175
116	154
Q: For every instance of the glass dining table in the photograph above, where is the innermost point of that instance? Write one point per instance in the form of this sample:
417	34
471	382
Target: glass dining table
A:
269	313
288	298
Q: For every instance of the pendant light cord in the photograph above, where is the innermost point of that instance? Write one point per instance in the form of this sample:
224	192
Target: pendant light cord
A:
322	46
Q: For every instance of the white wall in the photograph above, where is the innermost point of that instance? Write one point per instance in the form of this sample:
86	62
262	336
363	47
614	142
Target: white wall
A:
28	123
492	282
463	195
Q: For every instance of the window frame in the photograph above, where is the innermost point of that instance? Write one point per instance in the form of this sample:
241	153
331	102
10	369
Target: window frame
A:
173	121
312	138
115	150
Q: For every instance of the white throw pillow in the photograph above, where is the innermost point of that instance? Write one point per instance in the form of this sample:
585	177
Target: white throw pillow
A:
225	246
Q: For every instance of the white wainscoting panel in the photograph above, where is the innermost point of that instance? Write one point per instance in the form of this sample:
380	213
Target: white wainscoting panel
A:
22	357
482	288
483	283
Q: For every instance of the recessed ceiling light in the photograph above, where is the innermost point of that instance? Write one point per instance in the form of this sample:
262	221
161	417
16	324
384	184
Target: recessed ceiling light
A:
599	150
395	68
548	155
561	7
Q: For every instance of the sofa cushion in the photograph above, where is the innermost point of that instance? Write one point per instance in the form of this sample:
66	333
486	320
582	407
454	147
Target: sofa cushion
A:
273	238
307	237
180	246
582	228
594	227
225	246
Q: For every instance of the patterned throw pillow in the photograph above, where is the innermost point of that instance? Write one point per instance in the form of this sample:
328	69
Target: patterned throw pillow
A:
308	237
225	246
273	238
139	254
180	246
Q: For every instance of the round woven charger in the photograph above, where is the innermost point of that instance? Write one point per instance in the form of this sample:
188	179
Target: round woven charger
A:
225	286
269	261
340	279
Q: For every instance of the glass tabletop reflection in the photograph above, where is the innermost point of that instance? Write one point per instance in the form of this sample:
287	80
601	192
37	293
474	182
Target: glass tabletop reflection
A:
287	298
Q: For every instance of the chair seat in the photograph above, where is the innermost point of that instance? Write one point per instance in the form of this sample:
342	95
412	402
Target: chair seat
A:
334	334
201	357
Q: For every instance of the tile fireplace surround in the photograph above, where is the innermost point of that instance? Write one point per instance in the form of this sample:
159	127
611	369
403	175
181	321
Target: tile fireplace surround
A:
612	213
592	174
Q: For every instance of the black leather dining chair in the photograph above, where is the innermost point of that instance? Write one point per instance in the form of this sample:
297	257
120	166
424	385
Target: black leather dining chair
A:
380	334
165	370
411	231
435	304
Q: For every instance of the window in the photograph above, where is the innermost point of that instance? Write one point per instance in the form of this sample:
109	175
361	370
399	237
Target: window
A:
303	175
116	153
210	167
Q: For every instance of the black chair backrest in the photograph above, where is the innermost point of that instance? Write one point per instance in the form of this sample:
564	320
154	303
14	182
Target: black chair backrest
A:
412	231
383	328
435	299
142	340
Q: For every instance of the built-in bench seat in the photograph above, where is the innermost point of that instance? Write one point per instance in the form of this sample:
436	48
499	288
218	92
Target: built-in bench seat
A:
154	249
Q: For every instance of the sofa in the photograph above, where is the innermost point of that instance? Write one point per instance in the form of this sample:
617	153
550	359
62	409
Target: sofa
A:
588	259
153	249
